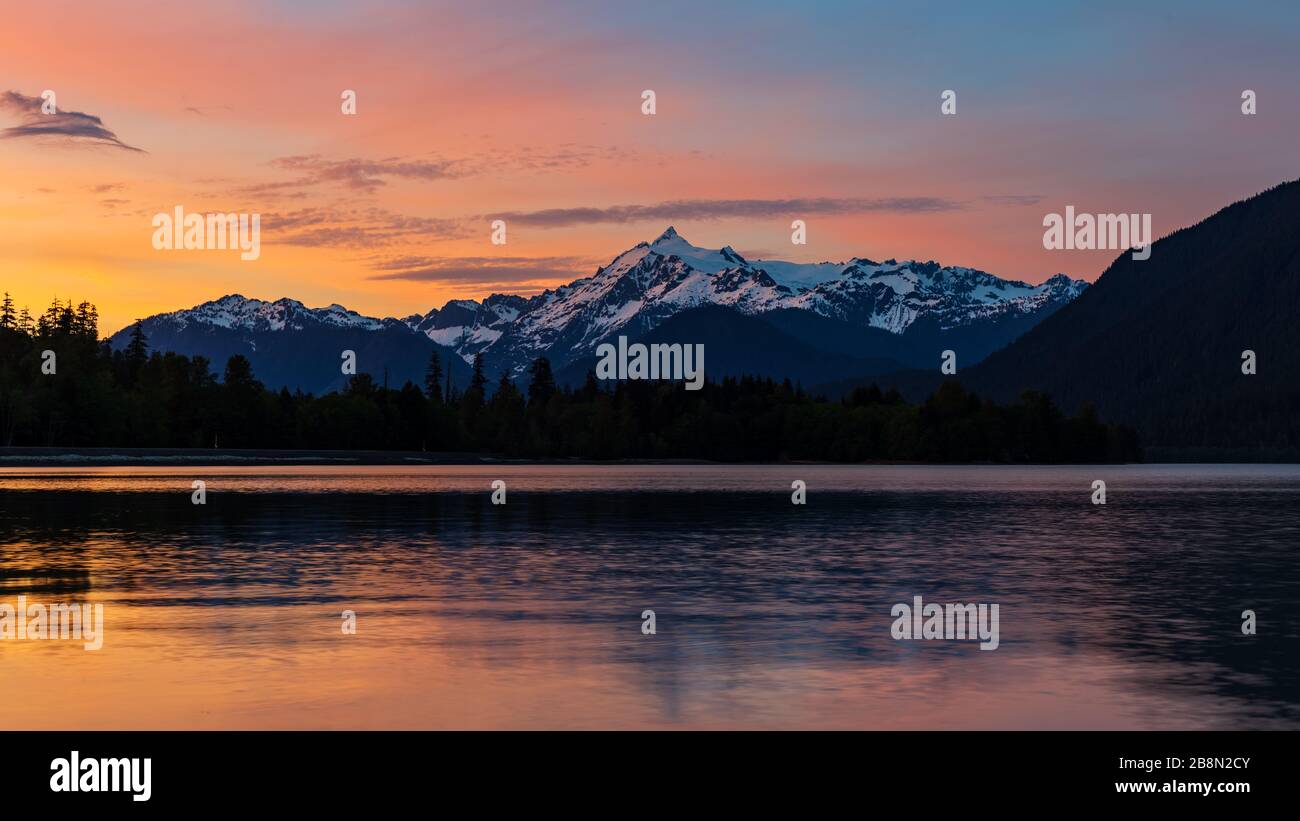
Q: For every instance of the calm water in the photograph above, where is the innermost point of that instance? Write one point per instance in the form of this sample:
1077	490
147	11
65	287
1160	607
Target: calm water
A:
768	615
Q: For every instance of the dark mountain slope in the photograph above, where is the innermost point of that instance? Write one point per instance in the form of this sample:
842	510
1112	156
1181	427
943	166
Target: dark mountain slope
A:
1158	344
740	345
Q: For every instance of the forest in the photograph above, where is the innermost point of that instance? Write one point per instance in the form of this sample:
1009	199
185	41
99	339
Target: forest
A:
137	397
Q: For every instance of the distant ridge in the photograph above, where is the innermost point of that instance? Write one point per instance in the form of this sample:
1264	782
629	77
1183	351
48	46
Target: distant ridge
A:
296	347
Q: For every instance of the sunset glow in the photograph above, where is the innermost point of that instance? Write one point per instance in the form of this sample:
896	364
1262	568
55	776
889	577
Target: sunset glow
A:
467	114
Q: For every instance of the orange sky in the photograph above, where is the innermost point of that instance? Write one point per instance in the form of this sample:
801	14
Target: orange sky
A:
765	114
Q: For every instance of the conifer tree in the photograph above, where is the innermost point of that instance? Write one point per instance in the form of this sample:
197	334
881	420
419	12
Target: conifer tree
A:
137	350
542	383
8	320
433	378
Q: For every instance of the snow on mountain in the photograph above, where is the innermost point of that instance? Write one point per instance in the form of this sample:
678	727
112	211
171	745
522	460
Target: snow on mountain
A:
292	346
237	312
655	281
893	295
470	326
652	281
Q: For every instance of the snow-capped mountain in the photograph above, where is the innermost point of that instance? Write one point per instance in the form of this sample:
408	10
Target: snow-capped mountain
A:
236	312
656	280
855	318
293	346
469	326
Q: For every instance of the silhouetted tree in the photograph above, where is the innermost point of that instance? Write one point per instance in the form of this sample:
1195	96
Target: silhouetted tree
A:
541	385
433	378
137	349
136	398
478	382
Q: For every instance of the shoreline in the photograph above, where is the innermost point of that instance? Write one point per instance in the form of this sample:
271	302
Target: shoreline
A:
25	457
33	457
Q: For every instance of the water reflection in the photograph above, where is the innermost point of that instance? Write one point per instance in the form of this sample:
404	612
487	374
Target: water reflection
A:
768	614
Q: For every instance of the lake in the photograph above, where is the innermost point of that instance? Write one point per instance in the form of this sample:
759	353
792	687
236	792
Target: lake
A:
767	614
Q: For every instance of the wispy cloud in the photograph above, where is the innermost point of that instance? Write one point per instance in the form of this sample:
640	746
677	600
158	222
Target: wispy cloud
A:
482	270
313	172
359	174
72	125
357	228
682	210
1013	199
562	157
203	112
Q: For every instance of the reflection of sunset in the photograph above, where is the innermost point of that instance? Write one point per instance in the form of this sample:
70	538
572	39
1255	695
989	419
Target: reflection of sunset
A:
254	668
228	615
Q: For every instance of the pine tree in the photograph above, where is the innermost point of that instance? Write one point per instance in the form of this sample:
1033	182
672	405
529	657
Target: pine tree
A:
478	382
506	391
542	384
433	378
86	324
7	318
238	375
476	394
47	321
590	387
25	323
65	320
137	350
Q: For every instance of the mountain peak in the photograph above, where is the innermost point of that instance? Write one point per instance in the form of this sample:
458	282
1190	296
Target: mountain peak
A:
732	255
670	233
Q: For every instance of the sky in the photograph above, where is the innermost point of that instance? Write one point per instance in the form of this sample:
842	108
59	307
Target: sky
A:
532	113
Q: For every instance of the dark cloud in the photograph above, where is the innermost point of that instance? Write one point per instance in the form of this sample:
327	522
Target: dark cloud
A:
73	125
482	270
683	210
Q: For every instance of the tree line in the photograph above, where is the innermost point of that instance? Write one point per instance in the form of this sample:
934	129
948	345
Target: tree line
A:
135	397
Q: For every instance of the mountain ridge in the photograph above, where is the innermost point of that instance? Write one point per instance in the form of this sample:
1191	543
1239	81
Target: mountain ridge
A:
651	281
903	309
